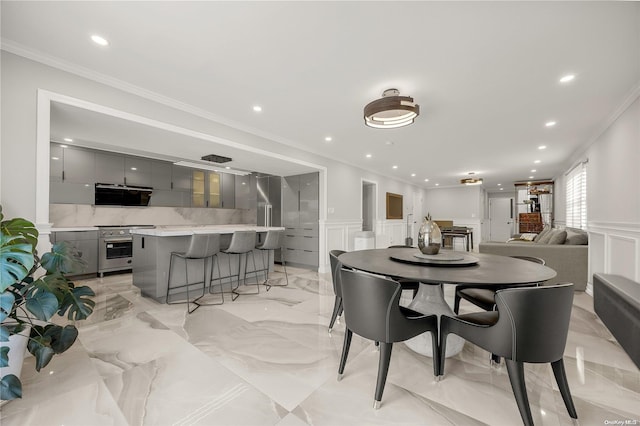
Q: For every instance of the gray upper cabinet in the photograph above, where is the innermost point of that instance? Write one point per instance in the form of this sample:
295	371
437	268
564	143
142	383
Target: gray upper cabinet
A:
109	168
291	201
309	196
246	194
161	175
56	163
137	171
228	191
79	166
180	178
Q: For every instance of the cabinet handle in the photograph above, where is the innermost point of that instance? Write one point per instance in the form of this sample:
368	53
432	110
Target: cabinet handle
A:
290	248
307	236
125	180
309	251
171	185
298	200
290	235
63	175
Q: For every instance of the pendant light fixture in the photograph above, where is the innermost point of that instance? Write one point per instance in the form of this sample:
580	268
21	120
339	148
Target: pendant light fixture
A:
391	111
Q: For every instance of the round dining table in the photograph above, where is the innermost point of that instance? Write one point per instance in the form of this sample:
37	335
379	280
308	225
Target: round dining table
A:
477	269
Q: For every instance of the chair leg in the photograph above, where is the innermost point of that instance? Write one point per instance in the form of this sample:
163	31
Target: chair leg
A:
345	352
435	352
383	369
516	377
456	304
337	305
561	379
208	283
442	348
266	264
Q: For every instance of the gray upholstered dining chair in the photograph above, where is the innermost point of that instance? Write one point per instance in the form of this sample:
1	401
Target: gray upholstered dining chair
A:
484	297
529	324
372	310
201	247
335	278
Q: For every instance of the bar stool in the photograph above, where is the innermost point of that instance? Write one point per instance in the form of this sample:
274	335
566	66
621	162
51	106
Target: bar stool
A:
272	242
242	243
202	247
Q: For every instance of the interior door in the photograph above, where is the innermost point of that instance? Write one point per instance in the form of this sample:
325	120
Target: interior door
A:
500	219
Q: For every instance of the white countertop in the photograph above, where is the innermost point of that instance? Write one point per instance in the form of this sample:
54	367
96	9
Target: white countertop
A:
75	228
175	231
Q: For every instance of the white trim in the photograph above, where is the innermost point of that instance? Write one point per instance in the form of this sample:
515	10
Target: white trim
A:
375	203
602	236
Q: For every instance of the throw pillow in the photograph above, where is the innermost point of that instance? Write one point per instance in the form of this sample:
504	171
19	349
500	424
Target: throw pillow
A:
542	233
577	239
528	236
546	237
558	237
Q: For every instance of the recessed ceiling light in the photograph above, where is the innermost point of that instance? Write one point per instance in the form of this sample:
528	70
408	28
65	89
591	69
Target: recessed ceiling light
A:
499	184
328	139
533	170
413	175
437	184
227	167
68	140
368	156
542	147
501	189
537	162
531	177
389	143
426	180
257	108
99	40
244	183
54	158
134	168
395	167
64	146
550	123
567	78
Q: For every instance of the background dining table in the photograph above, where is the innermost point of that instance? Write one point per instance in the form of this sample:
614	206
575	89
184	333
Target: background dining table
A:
488	271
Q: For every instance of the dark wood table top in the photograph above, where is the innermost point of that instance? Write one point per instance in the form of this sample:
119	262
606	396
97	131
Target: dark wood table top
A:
490	270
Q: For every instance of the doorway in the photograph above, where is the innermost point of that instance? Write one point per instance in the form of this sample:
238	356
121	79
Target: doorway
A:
500	219
369	195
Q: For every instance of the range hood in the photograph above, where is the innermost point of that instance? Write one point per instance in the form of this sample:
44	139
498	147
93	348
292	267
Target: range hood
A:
122	195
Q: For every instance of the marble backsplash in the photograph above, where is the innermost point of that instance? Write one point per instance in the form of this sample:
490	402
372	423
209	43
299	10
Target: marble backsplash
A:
62	215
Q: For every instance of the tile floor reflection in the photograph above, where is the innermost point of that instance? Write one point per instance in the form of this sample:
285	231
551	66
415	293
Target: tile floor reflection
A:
268	359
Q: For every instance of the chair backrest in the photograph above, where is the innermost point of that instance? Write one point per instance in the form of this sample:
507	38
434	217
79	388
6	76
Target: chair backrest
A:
273	240
242	242
530	259
336	265
534	322
203	245
371	306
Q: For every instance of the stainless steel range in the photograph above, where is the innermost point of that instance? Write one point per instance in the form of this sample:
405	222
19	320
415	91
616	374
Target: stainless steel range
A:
115	247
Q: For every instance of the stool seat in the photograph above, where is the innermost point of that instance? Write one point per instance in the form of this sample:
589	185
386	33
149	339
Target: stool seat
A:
242	243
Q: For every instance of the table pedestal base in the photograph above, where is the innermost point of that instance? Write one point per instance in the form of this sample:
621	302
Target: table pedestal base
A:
430	300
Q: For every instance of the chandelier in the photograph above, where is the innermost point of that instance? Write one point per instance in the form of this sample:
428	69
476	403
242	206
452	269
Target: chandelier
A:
391	111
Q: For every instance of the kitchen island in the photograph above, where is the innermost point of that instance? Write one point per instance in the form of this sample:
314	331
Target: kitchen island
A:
152	251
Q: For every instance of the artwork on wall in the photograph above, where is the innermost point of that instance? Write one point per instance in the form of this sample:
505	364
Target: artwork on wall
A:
394	206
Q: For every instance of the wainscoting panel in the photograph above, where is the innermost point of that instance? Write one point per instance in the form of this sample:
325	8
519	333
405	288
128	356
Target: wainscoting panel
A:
614	248
336	236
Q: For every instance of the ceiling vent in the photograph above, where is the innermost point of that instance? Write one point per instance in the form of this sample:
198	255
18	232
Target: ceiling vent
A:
216	158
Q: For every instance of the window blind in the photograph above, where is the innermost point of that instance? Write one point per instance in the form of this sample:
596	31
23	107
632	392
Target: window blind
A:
577	197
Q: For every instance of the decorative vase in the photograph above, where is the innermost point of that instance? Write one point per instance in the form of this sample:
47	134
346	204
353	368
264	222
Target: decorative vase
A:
429	236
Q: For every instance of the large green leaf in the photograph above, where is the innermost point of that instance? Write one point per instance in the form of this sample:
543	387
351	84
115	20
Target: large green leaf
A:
10	387
4	356
78	302
20	227
7	299
41	303
16	260
4	333
63	258
49	340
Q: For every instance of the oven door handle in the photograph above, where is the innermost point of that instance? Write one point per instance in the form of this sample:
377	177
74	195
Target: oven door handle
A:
118	240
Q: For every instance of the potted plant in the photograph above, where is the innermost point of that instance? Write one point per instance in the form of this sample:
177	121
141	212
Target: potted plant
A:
32	290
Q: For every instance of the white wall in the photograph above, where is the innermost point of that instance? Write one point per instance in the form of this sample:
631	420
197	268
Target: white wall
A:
613	196
21	78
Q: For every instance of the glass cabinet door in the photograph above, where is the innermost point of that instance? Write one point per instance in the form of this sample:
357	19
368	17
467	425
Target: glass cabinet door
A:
197	189
214	190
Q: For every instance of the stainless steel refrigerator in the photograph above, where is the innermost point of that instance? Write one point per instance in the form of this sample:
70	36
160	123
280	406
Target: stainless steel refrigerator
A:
269	189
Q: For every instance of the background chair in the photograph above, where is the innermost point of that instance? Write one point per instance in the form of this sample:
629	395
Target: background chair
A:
335	277
201	247
372	310
484	297
272	241
529	325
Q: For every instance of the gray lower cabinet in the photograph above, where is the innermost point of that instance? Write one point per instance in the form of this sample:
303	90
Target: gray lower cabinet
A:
86	242
300	196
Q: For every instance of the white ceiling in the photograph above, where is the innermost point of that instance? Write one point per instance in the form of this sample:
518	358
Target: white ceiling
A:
485	74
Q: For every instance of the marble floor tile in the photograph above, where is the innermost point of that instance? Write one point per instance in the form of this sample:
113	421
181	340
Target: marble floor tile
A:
268	359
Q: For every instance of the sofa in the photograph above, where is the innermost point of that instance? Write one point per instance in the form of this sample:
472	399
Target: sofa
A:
567	254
